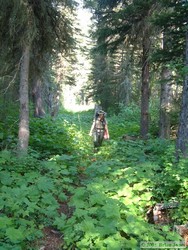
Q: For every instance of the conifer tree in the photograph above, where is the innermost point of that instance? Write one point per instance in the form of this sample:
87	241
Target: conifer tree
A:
33	29
173	22
182	138
124	22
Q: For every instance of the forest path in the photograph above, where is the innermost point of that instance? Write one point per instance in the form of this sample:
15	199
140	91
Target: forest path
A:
114	189
53	239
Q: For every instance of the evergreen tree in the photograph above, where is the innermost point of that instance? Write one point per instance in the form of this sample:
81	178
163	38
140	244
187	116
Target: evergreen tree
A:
182	138
33	29
173	22
124	22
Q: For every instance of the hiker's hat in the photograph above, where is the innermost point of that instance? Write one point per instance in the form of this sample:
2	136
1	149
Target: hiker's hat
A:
101	112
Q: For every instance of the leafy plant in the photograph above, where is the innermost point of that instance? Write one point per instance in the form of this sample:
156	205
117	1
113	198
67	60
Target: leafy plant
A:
108	192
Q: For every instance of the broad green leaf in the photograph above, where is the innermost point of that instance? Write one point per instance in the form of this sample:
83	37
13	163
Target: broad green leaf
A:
6	178
48	199
79	197
112	244
139	186
80	212
84	244
108	226
60	222
125	191
15	235
67	180
88	226
111	210
98	198
146	196
79	203
34	194
185	210
5	221
62	197
130	218
5	155
9	247
45	184
132	243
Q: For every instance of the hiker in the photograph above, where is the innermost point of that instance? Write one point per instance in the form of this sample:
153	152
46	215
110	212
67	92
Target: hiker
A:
99	129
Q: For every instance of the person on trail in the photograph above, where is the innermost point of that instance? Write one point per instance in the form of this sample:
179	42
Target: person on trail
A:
99	129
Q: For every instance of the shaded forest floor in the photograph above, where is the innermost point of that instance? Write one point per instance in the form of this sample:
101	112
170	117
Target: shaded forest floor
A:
64	196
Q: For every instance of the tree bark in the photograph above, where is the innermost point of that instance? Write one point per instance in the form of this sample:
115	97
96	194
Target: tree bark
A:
125	91
165	104
145	92
37	98
23	134
182	137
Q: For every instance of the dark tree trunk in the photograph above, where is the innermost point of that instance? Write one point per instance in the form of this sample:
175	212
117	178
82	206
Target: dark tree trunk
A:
145	92
23	134
165	104
37	98
182	137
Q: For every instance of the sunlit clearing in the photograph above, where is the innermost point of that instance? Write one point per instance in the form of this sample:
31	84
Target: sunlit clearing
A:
75	97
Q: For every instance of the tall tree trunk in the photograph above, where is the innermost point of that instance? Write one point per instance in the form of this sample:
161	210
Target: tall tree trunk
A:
165	104
125	91
182	138
145	92
37	98
23	134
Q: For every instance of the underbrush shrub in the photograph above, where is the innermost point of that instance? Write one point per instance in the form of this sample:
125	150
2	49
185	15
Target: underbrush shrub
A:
64	135
110	207
109	210
126	122
9	133
49	137
179	173
108	192
31	192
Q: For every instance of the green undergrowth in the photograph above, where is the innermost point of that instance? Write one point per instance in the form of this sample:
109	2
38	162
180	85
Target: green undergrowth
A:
111	206
33	188
125	123
56	136
31	194
108	193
